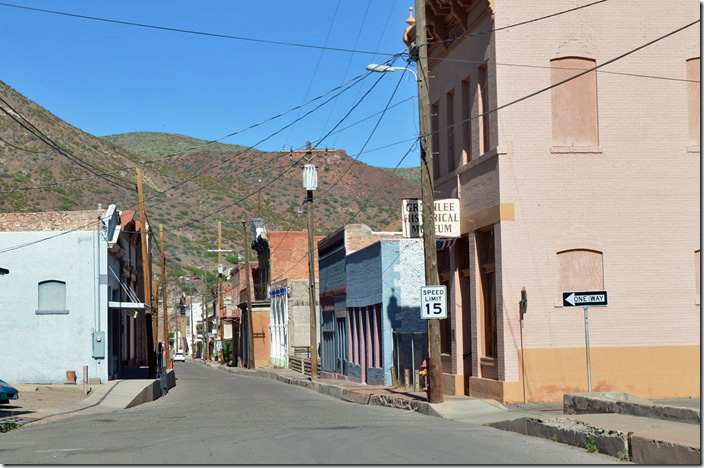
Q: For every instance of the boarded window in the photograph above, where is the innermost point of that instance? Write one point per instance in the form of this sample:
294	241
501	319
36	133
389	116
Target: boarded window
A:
52	296
581	270
435	137
450	108
574	104
693	100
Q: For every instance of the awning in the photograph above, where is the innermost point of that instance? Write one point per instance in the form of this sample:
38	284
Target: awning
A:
128	305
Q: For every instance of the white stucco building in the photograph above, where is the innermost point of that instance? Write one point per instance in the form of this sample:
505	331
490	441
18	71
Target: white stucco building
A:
74	295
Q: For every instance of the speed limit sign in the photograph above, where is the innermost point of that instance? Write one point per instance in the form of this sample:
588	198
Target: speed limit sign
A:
433	302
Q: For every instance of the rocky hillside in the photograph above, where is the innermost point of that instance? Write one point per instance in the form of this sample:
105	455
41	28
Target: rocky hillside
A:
181	190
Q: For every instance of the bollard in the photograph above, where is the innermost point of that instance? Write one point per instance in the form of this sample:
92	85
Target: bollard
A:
85	380
406	378
416	381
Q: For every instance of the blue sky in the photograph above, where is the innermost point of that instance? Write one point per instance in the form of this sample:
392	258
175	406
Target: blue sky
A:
107	78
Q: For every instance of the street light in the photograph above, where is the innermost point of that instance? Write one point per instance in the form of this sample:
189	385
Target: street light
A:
373	67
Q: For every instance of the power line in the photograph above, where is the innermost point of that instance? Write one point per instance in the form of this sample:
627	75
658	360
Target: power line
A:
471	118
354	80
560	83
354	216
551	15
505	64
21	149
49	142
317	65
199	33
292	165
368	139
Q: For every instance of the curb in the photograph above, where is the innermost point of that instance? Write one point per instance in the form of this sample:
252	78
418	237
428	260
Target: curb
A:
639	449
340	393
583	403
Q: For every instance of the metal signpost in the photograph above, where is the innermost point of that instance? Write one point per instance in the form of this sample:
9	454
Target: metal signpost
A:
585	299
433	302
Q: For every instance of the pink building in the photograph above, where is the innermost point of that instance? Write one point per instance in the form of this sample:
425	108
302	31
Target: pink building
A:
593	184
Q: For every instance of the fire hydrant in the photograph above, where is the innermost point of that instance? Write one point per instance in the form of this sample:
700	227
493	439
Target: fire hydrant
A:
426	382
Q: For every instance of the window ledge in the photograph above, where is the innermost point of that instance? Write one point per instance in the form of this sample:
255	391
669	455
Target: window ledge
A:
51	312
487	361
576	150
693	149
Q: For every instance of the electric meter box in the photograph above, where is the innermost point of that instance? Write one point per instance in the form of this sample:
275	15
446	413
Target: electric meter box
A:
99	345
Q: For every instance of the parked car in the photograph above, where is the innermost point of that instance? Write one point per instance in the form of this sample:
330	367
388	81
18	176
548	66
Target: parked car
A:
7	393
178	356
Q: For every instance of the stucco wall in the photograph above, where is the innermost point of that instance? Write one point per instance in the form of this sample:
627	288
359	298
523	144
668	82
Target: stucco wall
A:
41	348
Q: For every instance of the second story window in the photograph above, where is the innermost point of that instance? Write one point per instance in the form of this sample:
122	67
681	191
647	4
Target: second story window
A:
434	130
693	104
574	104
450	105
483	97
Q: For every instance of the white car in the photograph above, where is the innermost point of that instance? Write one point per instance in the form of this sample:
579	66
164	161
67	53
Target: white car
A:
178	356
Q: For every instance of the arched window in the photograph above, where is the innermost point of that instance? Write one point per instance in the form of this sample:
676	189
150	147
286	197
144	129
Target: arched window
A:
52	296
574	104
581	270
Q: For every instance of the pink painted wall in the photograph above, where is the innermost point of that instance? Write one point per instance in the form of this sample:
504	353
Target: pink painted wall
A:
634	197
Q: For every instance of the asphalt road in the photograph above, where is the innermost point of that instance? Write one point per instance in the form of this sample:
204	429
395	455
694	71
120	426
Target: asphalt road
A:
215	417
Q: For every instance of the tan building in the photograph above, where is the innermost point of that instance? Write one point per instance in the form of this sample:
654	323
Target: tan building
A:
593	184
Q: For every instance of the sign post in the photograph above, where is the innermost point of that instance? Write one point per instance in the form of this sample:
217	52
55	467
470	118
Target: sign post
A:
585	299
433	302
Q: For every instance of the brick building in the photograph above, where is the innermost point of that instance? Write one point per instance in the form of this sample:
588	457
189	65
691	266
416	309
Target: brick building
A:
282	279
593	184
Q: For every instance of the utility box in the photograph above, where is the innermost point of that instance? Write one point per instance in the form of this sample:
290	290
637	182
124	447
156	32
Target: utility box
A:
99	345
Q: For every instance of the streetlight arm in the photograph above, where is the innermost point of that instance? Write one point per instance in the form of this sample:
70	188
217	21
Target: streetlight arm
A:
373	67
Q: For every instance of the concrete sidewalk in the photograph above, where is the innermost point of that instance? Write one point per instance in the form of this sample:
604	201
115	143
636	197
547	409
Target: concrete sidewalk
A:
38	403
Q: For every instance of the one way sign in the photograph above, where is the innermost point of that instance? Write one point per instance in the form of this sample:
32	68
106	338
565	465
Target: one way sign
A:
584	298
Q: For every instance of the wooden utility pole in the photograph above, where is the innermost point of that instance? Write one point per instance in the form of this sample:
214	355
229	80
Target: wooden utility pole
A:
311	281
250	327
220	298
155	315
428	197
163	292
146	267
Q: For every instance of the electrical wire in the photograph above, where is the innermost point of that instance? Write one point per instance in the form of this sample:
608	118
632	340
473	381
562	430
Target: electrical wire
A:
49	142
574	77
551	15
354	216
317	65
8	249
354	80
199	33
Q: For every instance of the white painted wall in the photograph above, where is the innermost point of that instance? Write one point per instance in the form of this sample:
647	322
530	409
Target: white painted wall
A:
41	348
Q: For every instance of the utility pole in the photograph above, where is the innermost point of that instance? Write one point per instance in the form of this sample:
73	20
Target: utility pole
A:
260	199
146	267
155	316
311	276
250	327
163	289
220	306
428	197
204	310
220	298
